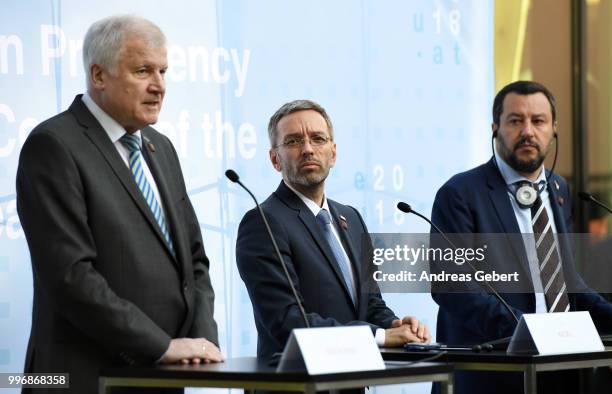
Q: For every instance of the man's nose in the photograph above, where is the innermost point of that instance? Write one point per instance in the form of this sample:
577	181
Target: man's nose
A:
528	129
307	146
158	83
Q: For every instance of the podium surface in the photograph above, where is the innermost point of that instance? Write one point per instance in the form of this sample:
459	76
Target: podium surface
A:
500	361
249	373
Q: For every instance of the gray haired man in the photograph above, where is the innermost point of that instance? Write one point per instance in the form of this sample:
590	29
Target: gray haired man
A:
120	272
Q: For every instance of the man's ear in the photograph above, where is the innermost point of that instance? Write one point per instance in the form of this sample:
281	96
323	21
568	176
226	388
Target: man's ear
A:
494	127
274	159
97	77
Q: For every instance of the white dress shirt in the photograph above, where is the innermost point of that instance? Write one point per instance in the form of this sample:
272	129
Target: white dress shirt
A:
523	217
115	131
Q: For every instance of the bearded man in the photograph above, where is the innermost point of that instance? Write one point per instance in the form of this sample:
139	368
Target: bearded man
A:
320	241
514	194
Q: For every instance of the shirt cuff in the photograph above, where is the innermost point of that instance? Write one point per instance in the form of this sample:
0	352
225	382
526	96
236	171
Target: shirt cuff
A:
380	337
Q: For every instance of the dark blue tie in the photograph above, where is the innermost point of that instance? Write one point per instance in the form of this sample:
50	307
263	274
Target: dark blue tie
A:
324	220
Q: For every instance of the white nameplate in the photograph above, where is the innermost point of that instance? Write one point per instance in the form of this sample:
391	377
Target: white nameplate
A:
555	333
331	350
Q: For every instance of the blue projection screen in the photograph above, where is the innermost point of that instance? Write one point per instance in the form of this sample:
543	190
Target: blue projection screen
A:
408	85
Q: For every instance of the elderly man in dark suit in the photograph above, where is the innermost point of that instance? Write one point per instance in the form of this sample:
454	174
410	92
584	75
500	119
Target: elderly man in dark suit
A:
120	272
489	200
320	240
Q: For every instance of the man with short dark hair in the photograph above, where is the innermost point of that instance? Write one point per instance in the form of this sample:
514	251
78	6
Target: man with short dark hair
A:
320	240
120	273
513	193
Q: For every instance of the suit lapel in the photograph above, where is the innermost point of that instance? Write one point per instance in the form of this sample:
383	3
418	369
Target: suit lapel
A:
310	222
99	138
153	161
343	231
563	237
498	195
555	203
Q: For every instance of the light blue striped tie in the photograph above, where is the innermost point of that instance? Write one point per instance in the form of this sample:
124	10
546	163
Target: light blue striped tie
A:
324	220
132	143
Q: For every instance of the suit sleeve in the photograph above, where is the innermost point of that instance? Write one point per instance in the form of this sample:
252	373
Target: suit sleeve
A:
481	312
586	298
589	300
204	324
379	313
271	295
54	215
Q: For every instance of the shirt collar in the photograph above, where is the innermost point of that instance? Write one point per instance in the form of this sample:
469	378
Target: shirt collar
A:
312	206
511	177
113	129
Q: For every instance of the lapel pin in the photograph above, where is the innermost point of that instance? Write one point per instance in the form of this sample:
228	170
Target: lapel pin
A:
561	200
557	185
151	147
343	222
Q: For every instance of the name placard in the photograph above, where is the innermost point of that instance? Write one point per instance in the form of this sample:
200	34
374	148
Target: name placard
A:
331	350
555	333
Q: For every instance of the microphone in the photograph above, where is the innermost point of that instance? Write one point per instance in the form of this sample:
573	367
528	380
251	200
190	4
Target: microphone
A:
402	206
233	176
586	196
406	208
498	344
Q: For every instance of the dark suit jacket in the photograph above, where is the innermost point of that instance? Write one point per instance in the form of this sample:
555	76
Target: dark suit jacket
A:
477	202
312	267
106	287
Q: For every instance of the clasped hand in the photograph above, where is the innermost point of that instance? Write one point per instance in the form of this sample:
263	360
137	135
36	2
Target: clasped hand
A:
409	329
191	351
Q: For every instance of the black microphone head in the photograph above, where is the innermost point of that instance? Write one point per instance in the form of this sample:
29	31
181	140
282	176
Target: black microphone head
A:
402	206
231	175
585	196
